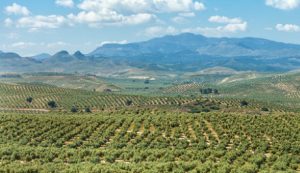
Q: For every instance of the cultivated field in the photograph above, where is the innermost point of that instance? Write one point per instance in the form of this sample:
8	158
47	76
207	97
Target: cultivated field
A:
254	127
149	142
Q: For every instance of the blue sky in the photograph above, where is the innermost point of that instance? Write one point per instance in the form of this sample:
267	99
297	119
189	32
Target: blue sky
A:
31	27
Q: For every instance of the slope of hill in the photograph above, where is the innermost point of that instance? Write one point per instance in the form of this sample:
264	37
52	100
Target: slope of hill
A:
187	42
41	57
172	54
280	89
71	81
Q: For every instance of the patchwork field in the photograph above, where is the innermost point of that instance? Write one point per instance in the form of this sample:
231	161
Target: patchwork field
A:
187	127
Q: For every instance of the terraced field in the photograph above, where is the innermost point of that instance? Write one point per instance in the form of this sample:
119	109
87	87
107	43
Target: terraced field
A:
13	97
149	142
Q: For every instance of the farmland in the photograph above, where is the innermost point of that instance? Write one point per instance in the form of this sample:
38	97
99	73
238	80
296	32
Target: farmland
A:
185	127
149	142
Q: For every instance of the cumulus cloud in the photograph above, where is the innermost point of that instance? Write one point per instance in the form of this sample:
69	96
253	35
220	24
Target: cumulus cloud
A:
199	6
132	12
57	44
22	45
234	27
110	18
99	13
288	27
283	4
177	5
8	22
182	17
224	19
113	42
17	9
40	22
232	24
65	3
143	6
217	31
156	31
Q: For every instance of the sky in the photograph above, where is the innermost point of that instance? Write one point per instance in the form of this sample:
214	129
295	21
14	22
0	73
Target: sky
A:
30	27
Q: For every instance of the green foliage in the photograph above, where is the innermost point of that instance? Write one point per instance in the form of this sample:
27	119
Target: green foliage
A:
146	142
87	110
52	104
74	109
244	103
29	99
128	102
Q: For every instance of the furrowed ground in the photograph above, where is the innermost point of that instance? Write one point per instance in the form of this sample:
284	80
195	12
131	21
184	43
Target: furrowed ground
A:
134	133
149	142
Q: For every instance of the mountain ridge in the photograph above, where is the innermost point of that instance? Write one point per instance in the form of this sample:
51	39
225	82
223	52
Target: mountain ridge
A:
172	53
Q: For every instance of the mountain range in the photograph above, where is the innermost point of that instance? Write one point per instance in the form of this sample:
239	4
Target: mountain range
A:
169	54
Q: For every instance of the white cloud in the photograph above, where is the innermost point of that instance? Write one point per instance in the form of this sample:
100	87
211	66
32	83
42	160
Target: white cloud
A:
22	45
232	24
218	31
57	44
189	14
99	13
8	22
156	31
234	27
113	42
17	9
199	6
177	5
142	6
39	22
224	19
132	12
179	19
65	3
288	27
182	17
283	4
110	18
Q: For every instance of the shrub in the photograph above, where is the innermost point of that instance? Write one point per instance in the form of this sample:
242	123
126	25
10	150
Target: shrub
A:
88	110
74	109
128	102
29	99
52	104
244	103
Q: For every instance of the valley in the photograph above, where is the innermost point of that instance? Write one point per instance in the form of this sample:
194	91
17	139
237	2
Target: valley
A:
138	107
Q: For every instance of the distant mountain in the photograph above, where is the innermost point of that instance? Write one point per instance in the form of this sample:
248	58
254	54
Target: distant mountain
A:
224	47
190	52
12	62
41	57
176	54
79	55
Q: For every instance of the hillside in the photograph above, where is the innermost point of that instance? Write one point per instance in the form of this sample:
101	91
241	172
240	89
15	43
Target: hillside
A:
167	55
282	89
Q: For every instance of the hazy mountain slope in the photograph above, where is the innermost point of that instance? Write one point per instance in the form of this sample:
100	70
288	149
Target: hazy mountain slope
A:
12	62
174	54
41	57
187	42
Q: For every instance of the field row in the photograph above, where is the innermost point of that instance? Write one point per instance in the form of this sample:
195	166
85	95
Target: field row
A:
256	142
